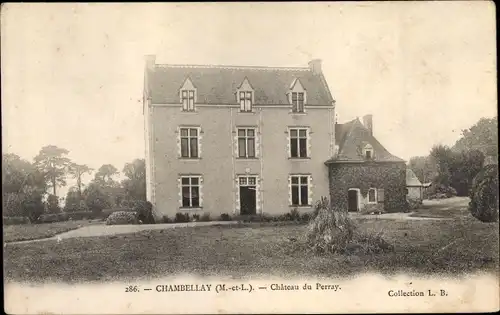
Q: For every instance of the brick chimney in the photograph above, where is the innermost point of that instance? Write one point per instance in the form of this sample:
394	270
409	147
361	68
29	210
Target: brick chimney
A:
368	123
150	61
315	66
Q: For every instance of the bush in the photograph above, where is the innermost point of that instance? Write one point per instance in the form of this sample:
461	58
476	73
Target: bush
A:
165	219
81	215
306	217
437	191
144	211
413	204
196	217
16	220
53	217
205	217
225	217
483	203
122	217
293	215
181	217
53	204
104	214
333	231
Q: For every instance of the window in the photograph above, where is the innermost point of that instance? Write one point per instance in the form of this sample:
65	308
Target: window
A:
245	101
190	190
246	143
189	142
368	152
187	98
298	102
372	195
300	190
298	143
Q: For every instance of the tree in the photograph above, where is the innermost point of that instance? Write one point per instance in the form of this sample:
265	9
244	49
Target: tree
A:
135	183
95	198
53	204
77	170
73	198
105	174
443	157
482	136
23	187
484	194
52	162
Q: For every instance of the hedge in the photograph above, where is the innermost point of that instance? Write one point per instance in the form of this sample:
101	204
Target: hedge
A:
16	220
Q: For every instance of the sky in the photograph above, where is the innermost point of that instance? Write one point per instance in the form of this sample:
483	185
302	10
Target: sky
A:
72	74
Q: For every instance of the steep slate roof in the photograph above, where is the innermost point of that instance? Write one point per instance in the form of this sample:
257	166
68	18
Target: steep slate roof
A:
412	179
218	84
351	137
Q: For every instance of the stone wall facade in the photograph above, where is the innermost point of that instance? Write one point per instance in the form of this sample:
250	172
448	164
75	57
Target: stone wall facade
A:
389	176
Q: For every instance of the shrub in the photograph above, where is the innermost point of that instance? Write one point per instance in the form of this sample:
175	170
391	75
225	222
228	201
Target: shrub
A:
205	217
104	214
53	217
181	217
293	215
80	215
413	204
333	231
53	204
196	217
16	220
144	211
483	203
122	217
165	219
305	217
225	217
438	191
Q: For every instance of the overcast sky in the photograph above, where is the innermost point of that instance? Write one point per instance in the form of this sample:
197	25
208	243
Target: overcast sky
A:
72	74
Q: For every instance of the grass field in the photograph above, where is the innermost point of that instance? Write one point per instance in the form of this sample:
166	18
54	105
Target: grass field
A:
24	232
421	246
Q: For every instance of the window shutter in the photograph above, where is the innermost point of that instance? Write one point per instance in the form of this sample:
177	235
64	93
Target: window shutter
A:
380	195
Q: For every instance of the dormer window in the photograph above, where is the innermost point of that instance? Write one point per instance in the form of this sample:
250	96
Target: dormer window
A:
187	100
187	95
298	102
368	152
297	97
246	101
245	96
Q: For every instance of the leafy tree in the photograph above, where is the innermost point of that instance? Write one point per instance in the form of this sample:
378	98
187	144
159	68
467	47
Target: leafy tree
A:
105	174
52	162
484	194
95	198
135	184
443	157
77	171
23	187
73	199
482	136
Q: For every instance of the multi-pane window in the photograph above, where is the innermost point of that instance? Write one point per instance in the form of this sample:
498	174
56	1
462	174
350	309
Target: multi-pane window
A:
298	143
246	143
372	195
189	142
248	181
187	97
368	152
300	190
298	102
245	101
190	190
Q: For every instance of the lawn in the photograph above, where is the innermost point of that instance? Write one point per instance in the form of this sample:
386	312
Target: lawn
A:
421	247
24	232
456	208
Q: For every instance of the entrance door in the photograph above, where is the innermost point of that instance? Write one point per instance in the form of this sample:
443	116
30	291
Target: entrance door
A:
352	200
248	195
